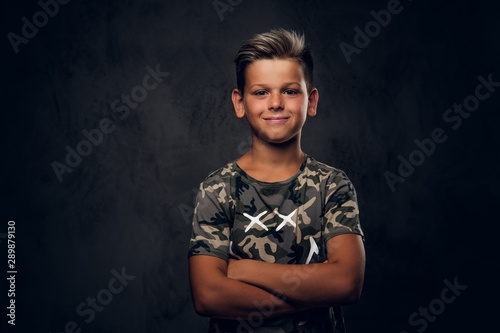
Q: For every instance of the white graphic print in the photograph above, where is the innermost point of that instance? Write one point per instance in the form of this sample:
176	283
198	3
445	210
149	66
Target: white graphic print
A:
231	251
255	220
314	249
286	218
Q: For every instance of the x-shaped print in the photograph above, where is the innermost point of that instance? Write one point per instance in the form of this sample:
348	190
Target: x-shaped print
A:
255	220
286	219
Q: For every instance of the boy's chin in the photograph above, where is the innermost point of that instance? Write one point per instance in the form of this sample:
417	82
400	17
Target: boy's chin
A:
278	141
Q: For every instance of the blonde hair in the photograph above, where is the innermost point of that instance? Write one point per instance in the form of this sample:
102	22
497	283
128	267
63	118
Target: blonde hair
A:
275	44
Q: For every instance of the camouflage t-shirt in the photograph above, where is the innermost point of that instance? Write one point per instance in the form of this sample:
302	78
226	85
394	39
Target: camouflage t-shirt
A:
286	222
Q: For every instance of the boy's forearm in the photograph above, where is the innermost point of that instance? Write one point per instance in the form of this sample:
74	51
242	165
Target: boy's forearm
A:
319	284
215	295
337	282
238	300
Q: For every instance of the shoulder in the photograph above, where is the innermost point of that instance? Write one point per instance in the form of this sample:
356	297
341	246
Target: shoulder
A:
322	172
221	175
216	189
218	184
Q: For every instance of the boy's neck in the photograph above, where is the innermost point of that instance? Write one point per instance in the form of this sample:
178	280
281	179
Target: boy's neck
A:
272	162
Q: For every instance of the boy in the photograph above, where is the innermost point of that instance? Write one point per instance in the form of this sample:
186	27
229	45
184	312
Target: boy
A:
276	243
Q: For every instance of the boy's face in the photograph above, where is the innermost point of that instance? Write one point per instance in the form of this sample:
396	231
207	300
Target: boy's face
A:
276	100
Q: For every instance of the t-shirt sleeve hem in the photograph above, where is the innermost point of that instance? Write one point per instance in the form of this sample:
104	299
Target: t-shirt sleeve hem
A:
219	254
330	236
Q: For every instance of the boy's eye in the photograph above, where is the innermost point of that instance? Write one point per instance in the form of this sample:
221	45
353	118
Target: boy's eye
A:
260	93
290	92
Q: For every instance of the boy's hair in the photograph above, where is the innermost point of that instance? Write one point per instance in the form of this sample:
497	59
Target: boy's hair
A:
275	44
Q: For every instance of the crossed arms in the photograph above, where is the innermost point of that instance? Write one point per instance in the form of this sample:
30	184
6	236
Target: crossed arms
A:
231	290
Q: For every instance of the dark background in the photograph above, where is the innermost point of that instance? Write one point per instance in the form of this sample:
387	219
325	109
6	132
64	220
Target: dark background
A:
128	203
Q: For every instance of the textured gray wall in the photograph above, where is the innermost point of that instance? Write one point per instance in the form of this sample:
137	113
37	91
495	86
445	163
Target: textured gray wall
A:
126	204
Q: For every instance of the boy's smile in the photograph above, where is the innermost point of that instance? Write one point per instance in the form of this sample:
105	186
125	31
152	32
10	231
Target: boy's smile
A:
275	100
276	119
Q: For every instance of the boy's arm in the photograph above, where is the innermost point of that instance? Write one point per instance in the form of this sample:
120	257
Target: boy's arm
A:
338	281
216	295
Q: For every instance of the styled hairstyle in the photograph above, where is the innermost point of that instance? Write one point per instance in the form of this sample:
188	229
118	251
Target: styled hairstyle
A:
275	44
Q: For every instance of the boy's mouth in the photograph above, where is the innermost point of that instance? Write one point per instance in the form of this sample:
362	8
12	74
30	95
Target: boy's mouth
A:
276	119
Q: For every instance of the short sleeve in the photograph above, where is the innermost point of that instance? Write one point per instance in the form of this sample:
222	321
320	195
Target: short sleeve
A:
341	214
211	227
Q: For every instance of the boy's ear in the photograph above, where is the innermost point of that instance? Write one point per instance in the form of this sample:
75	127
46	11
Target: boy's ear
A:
239	107
312	102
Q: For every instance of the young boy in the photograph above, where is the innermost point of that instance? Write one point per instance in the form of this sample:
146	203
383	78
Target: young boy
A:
276	244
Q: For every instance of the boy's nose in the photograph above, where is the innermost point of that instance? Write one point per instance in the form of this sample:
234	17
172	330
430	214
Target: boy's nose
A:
276	102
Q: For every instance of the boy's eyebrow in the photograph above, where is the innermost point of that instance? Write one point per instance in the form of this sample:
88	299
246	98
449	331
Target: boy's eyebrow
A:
264	85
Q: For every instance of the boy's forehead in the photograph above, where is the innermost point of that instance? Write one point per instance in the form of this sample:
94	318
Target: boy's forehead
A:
274	70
